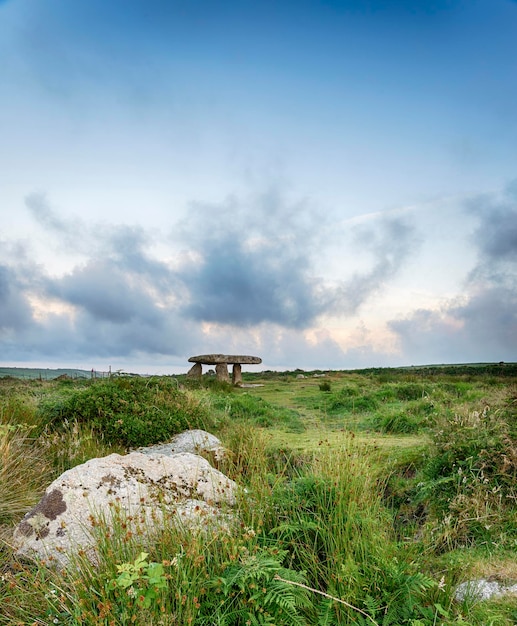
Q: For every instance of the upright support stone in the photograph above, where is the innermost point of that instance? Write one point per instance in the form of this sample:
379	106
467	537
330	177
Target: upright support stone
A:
195	371
221	370
237	374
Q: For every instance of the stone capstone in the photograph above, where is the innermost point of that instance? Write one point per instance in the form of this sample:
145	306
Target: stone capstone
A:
145	491
230	359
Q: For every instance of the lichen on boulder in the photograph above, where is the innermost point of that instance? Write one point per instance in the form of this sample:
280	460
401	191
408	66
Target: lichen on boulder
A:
142	489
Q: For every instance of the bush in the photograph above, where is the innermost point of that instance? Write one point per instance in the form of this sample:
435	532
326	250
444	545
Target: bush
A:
336	530
411	418
343	402
470	478
409	391
244	406
401	423
130	411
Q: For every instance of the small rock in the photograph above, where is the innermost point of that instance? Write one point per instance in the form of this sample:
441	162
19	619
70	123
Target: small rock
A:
482	590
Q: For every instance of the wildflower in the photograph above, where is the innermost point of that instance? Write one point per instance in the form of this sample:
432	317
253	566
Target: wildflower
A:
249	533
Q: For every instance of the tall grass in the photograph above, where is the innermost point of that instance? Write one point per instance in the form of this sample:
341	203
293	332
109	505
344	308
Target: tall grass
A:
24	467
470	480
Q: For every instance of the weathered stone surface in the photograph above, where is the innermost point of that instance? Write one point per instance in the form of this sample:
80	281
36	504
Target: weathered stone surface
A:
221	371
194	441
146	490
483	590
230	359
195	371
237	374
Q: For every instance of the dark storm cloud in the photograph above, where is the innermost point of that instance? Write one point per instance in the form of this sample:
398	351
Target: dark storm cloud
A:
15	312
257	263
120	302
241	285
117	302
496	234
104	291
117	247
18	277
483	324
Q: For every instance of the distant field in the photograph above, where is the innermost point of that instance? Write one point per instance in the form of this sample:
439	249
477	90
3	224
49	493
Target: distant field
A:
462	369
44	373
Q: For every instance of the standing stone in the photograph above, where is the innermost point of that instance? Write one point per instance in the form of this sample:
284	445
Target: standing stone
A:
237	374
221	370
195	371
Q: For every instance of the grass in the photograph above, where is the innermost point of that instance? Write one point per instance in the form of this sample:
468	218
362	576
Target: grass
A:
355	509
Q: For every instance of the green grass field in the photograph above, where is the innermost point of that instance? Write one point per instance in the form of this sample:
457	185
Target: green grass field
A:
37	373
370	495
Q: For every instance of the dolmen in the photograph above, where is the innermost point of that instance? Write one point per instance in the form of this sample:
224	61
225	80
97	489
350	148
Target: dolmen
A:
221	362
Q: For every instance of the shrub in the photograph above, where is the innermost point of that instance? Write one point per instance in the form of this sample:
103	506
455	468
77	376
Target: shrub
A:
402	423
352	404
410	418
258	590
409	391
470	478
244	406
130	411
74	443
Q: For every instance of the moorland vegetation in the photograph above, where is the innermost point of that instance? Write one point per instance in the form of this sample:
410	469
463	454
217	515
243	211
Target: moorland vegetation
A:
370	495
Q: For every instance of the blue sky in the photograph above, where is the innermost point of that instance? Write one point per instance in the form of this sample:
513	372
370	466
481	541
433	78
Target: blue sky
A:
322	184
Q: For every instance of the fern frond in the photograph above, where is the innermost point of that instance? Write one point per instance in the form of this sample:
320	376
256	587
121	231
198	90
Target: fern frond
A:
326	613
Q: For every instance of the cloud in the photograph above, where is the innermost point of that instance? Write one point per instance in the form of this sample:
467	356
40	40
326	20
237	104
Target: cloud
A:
242	269
18	277
390	241
15	313
120	301
254	262
483	328
496	234
482	324
257	259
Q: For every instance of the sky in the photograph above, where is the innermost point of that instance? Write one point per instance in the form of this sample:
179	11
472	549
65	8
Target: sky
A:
325	184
